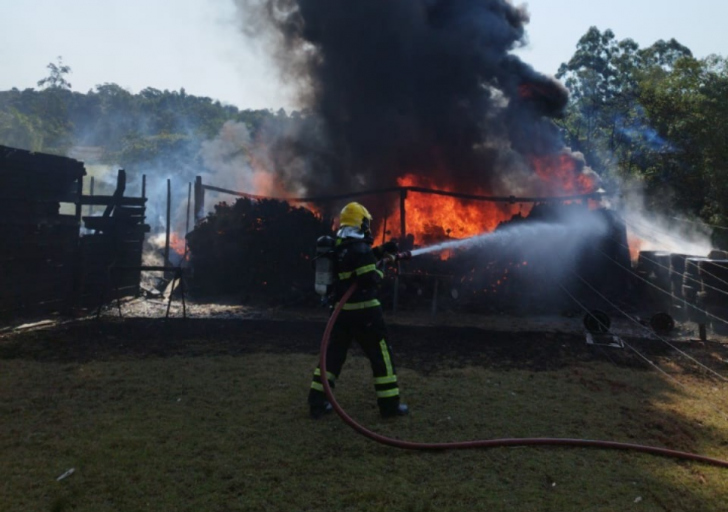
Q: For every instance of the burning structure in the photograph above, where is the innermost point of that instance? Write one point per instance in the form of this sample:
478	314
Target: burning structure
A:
421	102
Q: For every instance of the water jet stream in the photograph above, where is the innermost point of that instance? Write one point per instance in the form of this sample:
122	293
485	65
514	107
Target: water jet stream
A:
533	231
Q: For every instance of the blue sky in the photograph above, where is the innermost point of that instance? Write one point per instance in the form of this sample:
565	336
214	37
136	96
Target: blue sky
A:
195	44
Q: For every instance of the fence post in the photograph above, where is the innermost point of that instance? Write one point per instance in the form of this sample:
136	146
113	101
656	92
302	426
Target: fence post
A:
434	297
187	226
199	199
91	194
402	215
169	208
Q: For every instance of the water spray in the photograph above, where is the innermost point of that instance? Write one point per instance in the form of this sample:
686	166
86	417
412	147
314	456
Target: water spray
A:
536	230
453	244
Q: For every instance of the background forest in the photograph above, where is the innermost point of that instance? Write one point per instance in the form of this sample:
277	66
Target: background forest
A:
650	119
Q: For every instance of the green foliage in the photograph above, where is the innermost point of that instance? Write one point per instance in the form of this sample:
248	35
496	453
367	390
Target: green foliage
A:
56	78
655	115
139	130
18	130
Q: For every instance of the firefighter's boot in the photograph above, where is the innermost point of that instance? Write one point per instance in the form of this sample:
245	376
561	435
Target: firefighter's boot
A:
394	411
319	410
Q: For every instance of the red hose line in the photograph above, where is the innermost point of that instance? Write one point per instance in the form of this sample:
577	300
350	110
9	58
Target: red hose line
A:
488	443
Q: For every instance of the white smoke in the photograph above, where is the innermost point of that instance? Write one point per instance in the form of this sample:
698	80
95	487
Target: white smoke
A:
651	231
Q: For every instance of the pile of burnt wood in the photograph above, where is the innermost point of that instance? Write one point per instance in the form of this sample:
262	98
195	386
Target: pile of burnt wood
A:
256	248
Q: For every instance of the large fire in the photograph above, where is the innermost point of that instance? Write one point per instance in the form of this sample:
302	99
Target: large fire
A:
431	217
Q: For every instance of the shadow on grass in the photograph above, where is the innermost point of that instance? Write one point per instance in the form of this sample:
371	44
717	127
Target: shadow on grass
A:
210	414
422	348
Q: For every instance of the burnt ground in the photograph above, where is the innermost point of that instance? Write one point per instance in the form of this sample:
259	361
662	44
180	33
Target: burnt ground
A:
424	348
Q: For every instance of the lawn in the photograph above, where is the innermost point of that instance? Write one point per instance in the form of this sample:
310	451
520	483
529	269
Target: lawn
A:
212	416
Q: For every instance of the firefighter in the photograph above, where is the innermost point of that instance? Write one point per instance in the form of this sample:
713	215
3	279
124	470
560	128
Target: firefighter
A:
361	318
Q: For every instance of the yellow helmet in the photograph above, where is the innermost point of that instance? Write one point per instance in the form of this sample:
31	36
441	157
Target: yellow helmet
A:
355	215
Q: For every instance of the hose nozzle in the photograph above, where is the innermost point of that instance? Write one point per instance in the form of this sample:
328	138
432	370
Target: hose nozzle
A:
405	255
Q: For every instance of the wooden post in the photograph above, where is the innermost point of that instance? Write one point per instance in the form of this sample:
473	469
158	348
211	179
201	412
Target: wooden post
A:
187	226
77	277
91	193
79	195
144	186
702	332
199	199
402	215
118	193
169	208
434	297
395	293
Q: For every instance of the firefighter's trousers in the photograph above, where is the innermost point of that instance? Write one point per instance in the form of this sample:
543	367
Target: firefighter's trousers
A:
367	327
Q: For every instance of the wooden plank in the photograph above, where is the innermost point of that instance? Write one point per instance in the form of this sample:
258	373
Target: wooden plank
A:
22	276
130	211
24	284
37	230
40	168
125	231
30	209
107	200
118	223
65	220
37	196
36	256
49	306
93	246
38	295
51	241
48	261
10	155
50	244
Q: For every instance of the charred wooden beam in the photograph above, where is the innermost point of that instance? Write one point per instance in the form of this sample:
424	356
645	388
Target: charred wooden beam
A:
110	200
118	193
199	199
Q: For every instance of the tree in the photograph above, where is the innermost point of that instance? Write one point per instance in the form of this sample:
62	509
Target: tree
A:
655	114
689	106
56	78
606	119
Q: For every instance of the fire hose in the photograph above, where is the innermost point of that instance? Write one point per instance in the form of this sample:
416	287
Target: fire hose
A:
488	443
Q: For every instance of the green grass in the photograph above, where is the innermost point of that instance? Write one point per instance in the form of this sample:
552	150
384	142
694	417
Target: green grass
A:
232	433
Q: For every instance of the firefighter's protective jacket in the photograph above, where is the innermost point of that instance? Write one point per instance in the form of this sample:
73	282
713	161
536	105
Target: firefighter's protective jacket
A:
356	261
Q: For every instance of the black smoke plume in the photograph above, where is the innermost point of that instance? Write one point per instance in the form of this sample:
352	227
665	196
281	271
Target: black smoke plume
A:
390	87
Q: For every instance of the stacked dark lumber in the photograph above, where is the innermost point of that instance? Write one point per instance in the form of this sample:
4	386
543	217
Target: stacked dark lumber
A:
39	244
256	248
117	241
714	275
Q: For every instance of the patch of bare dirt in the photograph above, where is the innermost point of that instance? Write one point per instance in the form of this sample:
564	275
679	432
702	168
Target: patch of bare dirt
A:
421	347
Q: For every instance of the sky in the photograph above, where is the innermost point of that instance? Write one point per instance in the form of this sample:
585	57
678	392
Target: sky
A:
197	45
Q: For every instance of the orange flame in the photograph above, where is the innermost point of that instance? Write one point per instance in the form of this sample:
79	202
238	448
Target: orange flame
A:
635	244
430	217
177	243
562	173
